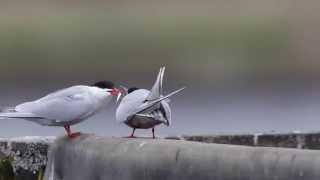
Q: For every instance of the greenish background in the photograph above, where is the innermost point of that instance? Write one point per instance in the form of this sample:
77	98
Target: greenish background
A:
249	66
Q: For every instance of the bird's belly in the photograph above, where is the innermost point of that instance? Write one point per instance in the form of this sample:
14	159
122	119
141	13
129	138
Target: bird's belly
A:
142	122
61	123
78	120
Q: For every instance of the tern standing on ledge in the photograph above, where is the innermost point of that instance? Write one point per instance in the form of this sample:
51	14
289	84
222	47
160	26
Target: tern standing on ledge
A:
65	107
144	109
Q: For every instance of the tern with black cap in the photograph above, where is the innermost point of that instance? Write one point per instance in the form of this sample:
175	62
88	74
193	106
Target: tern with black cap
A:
65	107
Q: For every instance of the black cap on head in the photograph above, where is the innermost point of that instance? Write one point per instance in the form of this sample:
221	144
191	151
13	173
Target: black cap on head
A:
104	84
130	90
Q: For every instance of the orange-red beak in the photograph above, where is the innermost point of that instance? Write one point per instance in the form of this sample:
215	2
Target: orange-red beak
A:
114	92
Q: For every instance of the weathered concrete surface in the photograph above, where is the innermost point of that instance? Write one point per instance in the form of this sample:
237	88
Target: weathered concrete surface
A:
26	155
97	158
289	140
245	140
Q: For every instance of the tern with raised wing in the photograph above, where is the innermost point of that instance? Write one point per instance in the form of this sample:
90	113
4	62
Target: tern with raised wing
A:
65	107
145	109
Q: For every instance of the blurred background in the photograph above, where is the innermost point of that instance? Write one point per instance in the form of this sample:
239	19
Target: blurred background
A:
249	66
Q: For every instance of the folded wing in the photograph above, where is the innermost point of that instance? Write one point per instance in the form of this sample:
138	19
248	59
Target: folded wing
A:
64	105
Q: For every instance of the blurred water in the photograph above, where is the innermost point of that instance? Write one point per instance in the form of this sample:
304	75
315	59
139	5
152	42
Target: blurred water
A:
195	113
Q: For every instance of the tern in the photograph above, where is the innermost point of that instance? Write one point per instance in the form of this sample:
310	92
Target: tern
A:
65	107
145	109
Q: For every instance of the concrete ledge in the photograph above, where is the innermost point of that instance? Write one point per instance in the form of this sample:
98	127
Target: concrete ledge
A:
245	140
25	158
96	158
290	140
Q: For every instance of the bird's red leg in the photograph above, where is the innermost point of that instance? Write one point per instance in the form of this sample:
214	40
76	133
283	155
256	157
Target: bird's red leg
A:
69	133
153	136
132	134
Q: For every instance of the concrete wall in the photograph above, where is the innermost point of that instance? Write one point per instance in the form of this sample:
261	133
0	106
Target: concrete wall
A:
25	158
97	158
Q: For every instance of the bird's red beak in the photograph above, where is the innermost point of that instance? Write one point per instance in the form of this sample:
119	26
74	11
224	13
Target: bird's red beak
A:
114	92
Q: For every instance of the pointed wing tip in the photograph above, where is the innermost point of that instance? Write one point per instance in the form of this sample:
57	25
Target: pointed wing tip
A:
181	89
162	69
153	102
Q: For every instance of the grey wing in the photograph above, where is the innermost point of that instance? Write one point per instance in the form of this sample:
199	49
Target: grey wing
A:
130	103
162	114
148	106
66	92
134	104
166	110
66	105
